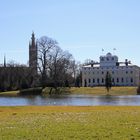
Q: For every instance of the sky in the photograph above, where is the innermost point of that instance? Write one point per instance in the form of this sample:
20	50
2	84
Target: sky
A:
83	27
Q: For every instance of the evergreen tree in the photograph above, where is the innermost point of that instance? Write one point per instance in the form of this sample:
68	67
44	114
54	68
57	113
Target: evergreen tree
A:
108	82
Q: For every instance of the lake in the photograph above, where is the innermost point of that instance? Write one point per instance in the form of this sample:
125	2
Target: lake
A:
71	100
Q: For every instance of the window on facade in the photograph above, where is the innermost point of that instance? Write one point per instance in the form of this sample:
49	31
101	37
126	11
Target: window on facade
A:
126	80
107	59
113	80
102	80
126	72
98	81
89	80
131	80
112	58
122	80
117	80
112	72
102	59
102	72
93	80
131	72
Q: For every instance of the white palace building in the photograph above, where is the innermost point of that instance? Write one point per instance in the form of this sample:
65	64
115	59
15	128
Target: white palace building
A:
122	73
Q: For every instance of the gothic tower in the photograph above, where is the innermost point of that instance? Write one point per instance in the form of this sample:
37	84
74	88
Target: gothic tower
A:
33	54
4	64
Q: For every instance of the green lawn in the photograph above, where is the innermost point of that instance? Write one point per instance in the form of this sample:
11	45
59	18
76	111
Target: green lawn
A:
69	123
102	90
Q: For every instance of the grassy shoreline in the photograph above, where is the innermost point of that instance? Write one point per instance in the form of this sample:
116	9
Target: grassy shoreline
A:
66	123
102	90
9	93
89	90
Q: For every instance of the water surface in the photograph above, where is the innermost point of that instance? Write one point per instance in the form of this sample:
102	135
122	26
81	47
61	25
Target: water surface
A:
72	100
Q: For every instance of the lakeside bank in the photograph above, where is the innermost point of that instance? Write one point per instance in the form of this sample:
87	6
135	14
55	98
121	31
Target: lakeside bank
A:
87	90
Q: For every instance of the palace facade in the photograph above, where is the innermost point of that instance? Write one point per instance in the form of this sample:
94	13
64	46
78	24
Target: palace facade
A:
122	73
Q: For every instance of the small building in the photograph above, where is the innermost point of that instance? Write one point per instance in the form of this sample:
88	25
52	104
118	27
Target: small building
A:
122	73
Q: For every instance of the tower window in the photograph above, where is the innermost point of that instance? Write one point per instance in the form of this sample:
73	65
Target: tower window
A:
93	80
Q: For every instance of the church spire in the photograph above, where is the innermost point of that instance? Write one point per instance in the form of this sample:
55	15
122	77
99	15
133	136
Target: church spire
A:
33	54
33	39
4	61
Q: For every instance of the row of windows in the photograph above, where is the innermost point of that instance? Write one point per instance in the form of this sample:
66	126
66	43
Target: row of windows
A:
90	68
113	72
103	59
113	80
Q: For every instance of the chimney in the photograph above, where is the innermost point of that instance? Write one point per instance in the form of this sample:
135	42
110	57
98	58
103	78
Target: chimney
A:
126	62
92	63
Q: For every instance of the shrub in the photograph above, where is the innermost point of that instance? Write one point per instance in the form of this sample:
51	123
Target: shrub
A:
138	90
31	91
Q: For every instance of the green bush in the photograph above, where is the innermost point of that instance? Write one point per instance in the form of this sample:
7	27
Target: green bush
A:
138	90
31	91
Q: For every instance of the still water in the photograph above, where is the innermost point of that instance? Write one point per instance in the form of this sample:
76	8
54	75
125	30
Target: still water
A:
71	100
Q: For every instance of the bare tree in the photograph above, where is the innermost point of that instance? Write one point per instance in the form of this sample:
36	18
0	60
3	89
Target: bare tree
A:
76	69
59	67
55	65
45	46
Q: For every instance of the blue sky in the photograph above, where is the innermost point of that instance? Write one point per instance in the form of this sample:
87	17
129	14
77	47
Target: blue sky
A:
83	27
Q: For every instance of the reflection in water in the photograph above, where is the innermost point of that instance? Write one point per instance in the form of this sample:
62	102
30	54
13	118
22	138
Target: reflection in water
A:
71	100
